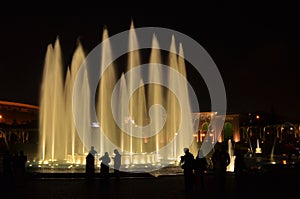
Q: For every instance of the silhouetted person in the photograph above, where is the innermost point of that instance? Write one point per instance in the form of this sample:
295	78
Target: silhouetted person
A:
22	159
104	166
8	186
7	164
90	166
15	164
200	168
187	164
117	163
239	170
220	160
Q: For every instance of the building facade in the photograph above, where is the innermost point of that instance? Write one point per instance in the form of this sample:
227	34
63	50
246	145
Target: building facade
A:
18	123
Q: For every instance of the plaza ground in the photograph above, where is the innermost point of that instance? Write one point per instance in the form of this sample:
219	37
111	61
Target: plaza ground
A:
276	182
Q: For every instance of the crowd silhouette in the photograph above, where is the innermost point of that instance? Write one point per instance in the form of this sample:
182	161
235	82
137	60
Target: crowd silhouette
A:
194	170
105	162
14	165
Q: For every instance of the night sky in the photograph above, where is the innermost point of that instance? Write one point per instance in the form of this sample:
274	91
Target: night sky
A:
255	49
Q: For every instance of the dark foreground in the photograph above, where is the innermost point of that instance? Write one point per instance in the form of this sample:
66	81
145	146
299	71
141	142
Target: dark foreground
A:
283	182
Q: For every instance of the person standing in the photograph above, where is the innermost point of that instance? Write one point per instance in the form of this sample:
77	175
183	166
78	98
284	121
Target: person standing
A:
104	166
239	170
220	160
200	169
187	164
22	159
117	164
90	166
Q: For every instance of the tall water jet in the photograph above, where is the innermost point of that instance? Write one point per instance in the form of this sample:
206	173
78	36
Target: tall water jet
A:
105	89
140	115
257	149
155	91
73	142
123	96
51	106
230	167
184	96
173	108
134	111
273	150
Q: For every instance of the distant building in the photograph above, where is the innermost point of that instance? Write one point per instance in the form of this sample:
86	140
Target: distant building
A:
231	128
18	122
245	127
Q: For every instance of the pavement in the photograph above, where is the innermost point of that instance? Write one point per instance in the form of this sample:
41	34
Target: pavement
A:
276	182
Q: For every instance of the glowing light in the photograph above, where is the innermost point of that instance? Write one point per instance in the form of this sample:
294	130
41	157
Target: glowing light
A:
283	161
45	162
257	117
0	116
258	149
95	124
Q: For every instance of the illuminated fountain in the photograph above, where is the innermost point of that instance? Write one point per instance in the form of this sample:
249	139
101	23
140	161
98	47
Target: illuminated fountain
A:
257	149
230	167
59	139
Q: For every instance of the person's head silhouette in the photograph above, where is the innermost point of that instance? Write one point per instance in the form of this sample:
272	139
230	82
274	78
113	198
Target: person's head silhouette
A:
186	150
116	151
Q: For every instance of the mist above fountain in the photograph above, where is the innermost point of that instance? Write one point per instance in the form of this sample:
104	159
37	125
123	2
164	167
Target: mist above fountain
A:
146	130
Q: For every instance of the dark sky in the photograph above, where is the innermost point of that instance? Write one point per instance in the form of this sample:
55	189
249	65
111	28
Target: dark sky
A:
256	50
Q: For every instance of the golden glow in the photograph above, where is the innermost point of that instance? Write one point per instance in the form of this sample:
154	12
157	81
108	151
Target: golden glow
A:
257	117
0	116
18	104
283	161
45	162
57	93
